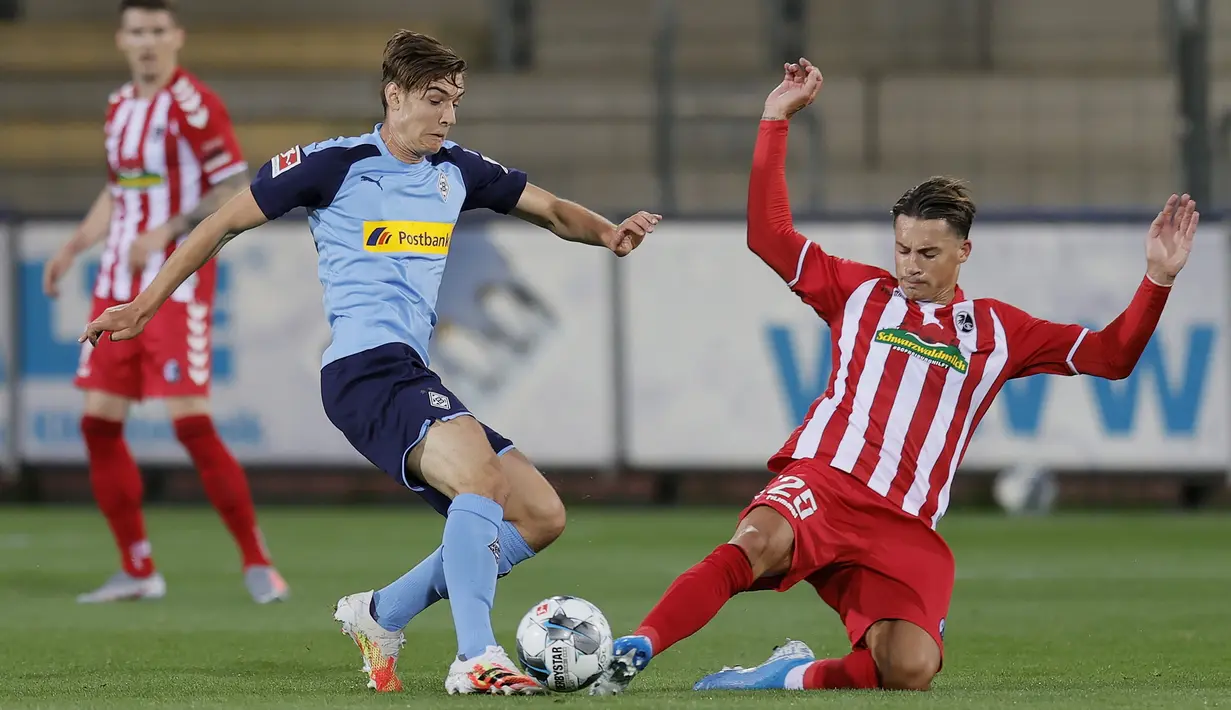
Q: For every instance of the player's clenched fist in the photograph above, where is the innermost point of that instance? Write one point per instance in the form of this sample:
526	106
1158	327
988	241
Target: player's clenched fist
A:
800	84
123	322
629	234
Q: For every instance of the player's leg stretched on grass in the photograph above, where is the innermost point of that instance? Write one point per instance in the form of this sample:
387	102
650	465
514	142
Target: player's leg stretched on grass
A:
534	517
894	654
116	483
226	486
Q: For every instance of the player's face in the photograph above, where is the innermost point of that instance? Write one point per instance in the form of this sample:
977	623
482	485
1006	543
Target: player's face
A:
928	255
151	41
421	121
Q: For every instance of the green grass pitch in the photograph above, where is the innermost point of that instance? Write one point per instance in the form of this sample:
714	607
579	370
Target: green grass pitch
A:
1106	611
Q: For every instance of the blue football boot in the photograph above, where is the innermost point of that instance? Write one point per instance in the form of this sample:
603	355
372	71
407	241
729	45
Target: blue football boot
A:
770	675
629	656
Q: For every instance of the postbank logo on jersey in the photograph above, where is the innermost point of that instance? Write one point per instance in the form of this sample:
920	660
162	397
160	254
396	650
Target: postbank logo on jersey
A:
408	237
936	353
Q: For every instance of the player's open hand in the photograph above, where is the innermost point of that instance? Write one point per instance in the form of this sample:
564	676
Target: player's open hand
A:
123	322
800	84
1170	239
632	231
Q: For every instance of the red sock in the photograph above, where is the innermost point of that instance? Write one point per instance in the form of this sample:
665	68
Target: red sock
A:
696	596
225	484
116	482
855	670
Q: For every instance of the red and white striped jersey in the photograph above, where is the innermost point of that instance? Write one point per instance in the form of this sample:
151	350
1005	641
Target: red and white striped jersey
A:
163	153
911	380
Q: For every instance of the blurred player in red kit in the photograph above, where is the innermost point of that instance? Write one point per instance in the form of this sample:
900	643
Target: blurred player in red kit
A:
172	159
862	483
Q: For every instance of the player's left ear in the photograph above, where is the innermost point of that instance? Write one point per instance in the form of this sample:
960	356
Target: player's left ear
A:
393	97
964	251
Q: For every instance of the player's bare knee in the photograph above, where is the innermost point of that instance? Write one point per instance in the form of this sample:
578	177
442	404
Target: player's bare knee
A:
906	657
907	671
483	478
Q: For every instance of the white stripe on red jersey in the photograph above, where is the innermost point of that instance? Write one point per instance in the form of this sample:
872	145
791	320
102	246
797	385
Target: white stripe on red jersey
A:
163	152
911	381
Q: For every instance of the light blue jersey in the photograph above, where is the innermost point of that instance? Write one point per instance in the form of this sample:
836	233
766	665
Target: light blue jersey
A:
382	229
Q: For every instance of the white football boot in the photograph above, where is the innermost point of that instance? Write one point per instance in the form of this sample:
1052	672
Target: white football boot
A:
122	586
379	647
490	674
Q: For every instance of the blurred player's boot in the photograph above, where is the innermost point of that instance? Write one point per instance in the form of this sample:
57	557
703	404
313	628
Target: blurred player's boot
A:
265	584
629	656
379	647
492	674
770	675
124	587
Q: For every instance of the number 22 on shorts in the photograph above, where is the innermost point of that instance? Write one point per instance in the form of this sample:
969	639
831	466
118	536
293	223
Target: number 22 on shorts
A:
802	505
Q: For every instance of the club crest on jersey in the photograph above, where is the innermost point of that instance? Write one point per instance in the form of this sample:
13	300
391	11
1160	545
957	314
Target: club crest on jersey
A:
442	184
285	161
936	353
964	321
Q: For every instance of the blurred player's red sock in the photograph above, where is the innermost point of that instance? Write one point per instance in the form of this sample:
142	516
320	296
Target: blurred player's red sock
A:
853	671
225	483
116	482
696	596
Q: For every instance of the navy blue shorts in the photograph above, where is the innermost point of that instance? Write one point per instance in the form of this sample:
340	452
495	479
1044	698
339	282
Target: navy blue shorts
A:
383	400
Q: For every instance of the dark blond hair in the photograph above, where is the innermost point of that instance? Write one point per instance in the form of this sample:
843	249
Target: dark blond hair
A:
939	197
413	61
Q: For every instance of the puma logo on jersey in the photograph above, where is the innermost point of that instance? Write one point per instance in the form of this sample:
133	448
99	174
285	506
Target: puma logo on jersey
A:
937	353
374	181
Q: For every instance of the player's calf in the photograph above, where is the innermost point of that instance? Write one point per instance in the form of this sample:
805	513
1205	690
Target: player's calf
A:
532	505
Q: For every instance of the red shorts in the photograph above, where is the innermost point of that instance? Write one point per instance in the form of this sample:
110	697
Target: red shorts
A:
171	357
868	560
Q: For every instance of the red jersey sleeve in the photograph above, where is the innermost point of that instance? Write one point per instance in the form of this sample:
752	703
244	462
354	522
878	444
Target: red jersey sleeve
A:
823	281
206	125
1039	346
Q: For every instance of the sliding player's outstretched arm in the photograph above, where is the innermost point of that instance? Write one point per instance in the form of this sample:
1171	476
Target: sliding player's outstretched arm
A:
821	280
126	321
1065	349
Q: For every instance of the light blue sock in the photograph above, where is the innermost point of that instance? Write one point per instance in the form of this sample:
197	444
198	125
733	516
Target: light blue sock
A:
471	531
394	606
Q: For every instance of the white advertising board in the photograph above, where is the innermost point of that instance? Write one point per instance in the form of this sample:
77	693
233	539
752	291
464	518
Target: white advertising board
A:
724	361
524	341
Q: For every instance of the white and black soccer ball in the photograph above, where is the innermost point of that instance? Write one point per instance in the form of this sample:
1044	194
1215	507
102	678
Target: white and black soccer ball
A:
1025	489
564	643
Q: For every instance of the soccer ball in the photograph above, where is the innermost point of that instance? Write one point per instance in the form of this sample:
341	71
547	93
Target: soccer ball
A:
564	643
1025	489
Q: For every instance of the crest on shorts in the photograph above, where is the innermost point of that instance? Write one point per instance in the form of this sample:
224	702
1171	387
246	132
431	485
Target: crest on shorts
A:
438	400
171	371
942	629
495	549
442	184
